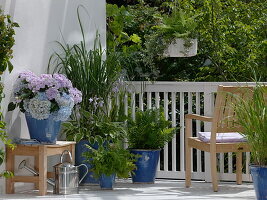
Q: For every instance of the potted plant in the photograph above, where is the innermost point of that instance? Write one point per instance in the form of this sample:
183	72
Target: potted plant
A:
109	160
95	76
178	34
147	134
251	115
89	129
175	33
46	100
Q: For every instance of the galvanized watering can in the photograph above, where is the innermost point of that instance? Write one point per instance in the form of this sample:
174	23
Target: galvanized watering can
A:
66	175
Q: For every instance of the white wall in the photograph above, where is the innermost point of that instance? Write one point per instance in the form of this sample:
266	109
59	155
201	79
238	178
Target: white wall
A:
41	22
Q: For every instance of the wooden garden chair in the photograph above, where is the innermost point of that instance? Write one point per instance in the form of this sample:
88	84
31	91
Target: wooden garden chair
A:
224	136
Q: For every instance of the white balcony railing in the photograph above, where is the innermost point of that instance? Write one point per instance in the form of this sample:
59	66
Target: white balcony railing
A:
178	99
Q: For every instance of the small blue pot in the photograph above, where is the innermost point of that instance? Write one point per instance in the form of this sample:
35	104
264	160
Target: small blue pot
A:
45	131
146	166
79	159
259	177
106	182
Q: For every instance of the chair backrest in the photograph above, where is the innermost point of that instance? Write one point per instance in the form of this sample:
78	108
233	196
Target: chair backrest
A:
224	111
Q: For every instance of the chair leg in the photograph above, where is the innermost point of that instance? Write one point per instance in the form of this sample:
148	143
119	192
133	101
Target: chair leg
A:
188	167
239	168
213	165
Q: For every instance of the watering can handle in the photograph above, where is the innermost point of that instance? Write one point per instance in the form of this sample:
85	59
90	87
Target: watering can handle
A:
85	172
64	152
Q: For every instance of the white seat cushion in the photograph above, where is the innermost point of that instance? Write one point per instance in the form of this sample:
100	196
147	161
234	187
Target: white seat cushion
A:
222	137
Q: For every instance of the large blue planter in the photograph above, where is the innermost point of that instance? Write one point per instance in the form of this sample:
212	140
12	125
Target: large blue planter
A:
79	159
45	131
146	166
259	177
106	182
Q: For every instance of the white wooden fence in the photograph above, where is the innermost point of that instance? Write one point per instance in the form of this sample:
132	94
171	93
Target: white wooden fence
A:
178	99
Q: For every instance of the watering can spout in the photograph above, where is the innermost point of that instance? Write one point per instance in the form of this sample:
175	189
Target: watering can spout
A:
23	165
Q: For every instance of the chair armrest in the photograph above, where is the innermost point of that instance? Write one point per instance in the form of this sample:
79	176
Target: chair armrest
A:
198	117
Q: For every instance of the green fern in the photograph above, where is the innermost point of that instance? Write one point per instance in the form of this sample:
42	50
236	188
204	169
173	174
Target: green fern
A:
149	130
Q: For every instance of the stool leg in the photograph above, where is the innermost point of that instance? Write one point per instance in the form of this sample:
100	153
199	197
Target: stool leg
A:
238	168
10	157
36	167
42	170
73	153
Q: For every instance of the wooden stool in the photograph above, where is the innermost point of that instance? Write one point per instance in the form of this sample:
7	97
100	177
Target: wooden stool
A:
40	153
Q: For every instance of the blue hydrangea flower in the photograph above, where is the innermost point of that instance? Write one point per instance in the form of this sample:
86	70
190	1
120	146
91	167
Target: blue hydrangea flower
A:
62	114
65	100
39	109
38	93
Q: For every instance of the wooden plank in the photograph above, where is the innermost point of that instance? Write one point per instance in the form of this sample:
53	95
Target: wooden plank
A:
149	100
141	101
189	110
21	150
73	153
247	162
42	170
230	162
36	167
157	103
126	104
26	179
57	151
221	162
166	112
173	99
198	129
10	157
133	105
182	129
164	86
239	168
157	99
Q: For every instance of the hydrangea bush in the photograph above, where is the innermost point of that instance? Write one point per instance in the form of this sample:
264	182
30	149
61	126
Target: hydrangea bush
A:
45	95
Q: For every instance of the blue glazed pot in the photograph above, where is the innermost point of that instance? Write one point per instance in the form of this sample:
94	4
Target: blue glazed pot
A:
106	182
146	166
79	159
259	177
45	131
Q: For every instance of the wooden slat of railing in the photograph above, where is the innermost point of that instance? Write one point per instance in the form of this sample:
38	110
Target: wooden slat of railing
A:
230	162
221	162
133	104
190	104
198	130
182	166
141	101
173	99
247	162
149	100
157	103
166	155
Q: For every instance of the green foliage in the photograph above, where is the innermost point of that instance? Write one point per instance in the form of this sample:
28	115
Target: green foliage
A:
126	32
7	41
95	76
149	130
110	159
87	70
93	127
231	41
252	117
178	25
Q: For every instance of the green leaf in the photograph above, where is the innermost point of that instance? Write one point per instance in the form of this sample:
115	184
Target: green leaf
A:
11	106
135	38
